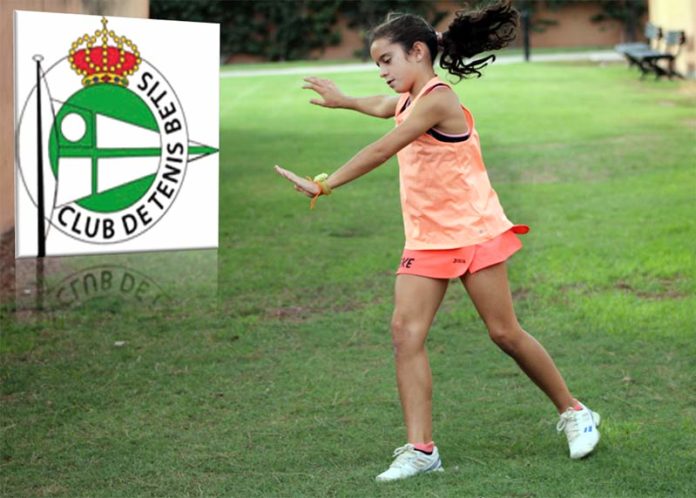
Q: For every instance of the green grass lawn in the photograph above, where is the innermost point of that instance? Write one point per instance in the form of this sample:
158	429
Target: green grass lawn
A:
284	384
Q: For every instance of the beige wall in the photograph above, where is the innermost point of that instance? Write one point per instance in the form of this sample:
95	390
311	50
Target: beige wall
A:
127	8
678	15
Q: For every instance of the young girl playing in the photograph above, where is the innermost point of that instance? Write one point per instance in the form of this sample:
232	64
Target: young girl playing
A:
454	224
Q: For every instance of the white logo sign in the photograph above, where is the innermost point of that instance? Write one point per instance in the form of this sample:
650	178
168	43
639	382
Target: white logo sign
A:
116	134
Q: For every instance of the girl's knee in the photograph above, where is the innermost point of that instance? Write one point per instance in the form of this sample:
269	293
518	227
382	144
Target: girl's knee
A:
407	336
506	336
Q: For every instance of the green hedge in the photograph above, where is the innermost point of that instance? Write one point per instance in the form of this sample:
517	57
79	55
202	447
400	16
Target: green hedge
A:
291	29
285	30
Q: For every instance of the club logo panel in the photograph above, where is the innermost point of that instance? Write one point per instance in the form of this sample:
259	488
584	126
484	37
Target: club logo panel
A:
105	147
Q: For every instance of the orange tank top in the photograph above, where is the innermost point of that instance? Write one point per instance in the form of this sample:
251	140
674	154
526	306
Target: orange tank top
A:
446	197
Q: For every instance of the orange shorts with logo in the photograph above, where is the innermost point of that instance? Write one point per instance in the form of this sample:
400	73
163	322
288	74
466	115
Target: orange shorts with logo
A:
453	263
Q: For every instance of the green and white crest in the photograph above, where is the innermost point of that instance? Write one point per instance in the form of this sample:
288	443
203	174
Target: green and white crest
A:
103	145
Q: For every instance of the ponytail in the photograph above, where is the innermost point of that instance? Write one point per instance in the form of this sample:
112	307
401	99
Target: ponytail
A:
472	33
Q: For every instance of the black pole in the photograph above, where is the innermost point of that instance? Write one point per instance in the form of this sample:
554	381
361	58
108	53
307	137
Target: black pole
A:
39	156
525	33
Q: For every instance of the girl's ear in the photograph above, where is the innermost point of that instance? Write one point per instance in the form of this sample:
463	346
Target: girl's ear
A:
419	51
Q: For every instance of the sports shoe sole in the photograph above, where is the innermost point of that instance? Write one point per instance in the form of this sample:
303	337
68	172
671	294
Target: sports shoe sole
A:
440	468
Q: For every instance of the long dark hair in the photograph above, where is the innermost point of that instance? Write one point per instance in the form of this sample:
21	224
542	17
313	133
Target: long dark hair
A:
469	34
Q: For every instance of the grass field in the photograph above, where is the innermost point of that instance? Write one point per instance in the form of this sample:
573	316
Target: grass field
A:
284	384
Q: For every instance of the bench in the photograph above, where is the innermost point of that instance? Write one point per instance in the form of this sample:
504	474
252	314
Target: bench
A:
648	61
652	33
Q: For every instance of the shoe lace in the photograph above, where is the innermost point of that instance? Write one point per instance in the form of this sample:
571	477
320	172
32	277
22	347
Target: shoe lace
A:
569	423
402	455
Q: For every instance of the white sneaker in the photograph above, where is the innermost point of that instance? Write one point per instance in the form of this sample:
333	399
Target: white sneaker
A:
580	428
409	462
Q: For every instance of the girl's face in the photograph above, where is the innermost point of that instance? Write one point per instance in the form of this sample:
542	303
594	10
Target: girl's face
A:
398	68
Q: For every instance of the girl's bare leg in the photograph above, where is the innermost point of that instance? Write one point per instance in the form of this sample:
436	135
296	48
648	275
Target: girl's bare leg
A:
490	292
416	302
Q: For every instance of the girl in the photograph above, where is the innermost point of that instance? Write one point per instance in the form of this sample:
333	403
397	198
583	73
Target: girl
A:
454	224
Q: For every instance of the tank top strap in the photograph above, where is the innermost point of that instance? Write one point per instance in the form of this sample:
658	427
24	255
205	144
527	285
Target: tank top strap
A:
405	100
433	87
402	103
430	86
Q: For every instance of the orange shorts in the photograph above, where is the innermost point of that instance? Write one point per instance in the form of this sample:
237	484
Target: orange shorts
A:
453	263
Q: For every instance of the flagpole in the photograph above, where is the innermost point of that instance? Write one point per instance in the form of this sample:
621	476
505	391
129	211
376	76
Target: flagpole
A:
41	229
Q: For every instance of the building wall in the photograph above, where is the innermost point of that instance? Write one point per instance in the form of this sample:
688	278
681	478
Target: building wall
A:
125	8
576	29
678	15
573	29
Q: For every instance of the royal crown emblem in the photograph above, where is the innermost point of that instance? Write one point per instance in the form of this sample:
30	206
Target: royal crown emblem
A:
104	63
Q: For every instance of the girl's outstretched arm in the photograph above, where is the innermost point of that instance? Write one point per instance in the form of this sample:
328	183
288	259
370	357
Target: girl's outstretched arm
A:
427	113
381	106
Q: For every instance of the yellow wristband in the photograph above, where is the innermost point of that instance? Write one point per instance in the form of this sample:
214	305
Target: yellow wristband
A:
323	185
324	189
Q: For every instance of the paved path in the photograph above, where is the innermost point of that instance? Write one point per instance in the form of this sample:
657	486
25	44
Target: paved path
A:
599	56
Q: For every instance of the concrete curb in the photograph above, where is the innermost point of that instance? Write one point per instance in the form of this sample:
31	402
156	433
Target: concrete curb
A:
599	56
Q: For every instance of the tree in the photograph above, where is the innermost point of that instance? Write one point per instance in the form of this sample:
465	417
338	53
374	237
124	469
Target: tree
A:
274	30
628	12
362	15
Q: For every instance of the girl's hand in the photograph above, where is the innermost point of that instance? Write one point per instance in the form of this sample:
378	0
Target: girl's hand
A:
331	96
307	187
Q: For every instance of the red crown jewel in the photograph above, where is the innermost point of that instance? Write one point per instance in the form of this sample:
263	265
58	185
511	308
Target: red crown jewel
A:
104	63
